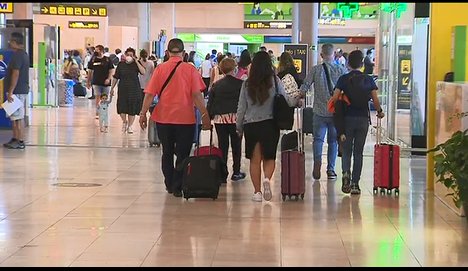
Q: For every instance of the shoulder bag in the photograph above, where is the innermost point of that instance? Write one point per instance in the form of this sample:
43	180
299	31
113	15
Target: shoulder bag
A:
283	114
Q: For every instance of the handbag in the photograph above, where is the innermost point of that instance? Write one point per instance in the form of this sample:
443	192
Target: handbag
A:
283	114
290	86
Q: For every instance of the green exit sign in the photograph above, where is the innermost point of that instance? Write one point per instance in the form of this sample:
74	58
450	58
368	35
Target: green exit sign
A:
398	7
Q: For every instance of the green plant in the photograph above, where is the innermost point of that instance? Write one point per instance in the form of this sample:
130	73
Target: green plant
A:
451	166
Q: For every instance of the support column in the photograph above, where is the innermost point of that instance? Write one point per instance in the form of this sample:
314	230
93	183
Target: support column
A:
295	23
314	38
144	22
23	11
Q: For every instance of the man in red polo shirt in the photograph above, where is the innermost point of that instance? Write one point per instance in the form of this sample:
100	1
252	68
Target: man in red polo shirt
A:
174	114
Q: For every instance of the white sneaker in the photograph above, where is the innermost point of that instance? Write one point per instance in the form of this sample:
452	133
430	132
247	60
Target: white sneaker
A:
266	190
257	197
124	127
129	130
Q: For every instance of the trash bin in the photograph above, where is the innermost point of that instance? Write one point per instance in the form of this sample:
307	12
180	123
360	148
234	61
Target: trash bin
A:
65	92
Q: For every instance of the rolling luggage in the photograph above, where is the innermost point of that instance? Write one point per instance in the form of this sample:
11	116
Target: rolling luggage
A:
293	164
203	174
308	116
153	137
79	90
386	165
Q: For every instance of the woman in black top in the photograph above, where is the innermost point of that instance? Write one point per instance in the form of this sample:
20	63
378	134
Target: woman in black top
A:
222	108
129	92
286	65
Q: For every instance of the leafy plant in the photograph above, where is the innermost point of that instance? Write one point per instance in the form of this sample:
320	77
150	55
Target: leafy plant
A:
451	166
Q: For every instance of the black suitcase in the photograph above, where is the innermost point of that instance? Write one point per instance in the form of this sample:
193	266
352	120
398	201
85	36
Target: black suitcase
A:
308	120
289	141
79	90
202	175
153	138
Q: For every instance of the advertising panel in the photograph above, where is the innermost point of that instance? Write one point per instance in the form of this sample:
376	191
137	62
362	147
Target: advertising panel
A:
268	15
299	55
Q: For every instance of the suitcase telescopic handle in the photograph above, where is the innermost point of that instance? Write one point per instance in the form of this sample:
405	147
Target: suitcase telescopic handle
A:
197	146
300	135
378	131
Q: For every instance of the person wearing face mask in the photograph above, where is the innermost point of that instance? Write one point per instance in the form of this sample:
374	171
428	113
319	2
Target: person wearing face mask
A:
222	108
129	93
100	71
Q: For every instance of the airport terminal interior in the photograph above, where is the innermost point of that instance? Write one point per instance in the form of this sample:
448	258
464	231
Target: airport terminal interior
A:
77	192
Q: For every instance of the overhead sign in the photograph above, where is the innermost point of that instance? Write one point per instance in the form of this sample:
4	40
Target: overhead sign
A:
299	54
348	11
268	15
404	76
6	7
73	10
232	38
83	25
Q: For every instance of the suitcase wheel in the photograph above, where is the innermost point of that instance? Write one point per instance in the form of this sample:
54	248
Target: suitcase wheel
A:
389	191
214	198
296	197
283	196
376	190
382	191
397	192
302	196
151	145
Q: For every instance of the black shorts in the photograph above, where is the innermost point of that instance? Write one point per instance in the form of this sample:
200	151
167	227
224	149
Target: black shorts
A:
264	132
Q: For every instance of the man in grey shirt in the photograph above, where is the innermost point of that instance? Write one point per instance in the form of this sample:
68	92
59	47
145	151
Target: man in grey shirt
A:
323	120
17	83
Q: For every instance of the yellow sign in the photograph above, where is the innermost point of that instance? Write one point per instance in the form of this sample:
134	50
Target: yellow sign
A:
405	81
83	25
298	64
102	12
6	7
406	66
68	9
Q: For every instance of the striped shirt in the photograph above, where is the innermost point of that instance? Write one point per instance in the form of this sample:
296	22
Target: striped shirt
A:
321	93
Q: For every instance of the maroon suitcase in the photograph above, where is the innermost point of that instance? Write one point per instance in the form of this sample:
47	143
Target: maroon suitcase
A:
386	166
293	168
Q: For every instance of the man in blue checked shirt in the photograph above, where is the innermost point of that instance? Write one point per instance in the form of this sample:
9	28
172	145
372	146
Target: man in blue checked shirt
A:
323	120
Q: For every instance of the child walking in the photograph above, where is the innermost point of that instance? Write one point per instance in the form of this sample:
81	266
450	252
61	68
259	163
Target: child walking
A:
103	110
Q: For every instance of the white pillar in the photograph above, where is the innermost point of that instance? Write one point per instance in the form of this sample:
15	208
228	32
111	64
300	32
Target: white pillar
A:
173	30
314	43
144	26
295	23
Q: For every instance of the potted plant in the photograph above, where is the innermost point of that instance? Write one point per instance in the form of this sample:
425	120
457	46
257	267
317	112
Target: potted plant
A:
451	165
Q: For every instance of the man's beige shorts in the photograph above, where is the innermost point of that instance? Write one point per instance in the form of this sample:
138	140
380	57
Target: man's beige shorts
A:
19	114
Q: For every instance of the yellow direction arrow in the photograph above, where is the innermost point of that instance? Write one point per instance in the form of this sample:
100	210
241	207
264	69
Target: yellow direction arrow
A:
45	10
405	81
94	11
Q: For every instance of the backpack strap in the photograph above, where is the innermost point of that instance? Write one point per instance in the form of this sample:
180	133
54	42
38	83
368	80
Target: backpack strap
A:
328	79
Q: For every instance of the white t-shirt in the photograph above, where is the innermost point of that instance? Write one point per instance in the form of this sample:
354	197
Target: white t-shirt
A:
205	68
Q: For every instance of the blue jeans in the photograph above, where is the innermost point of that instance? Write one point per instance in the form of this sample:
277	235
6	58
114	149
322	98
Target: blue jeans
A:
356	133
322	125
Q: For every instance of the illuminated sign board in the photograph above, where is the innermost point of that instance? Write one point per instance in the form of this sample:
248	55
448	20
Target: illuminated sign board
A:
83	25
233	38
73	10
6	7
268	15
348	11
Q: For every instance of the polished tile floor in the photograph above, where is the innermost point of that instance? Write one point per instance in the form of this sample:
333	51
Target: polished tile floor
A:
129	220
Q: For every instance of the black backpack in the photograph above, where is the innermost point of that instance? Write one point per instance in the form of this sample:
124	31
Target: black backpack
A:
357	97
114	59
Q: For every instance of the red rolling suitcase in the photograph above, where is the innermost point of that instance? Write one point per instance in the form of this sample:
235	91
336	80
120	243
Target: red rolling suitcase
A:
293	167
386	165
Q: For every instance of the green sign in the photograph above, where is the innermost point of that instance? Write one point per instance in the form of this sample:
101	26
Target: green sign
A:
354	11
398	7
348	9
234	38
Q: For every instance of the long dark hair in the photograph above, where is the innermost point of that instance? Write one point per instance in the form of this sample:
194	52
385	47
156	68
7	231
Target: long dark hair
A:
244	59
191	57
260	78
286	61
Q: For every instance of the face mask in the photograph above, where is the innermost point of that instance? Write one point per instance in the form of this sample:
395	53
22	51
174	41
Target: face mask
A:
128	59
